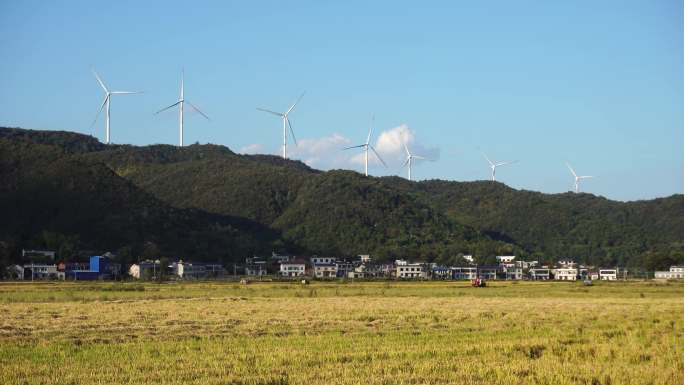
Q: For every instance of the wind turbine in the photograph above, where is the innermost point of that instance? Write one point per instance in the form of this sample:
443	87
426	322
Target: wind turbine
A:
494	165
409	159
578	178
367	145
286	123
181	101
106	102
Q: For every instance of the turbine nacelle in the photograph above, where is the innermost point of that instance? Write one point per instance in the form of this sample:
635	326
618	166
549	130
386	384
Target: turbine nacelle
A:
181	102
578	178
494	165
286	122
107	102
366	146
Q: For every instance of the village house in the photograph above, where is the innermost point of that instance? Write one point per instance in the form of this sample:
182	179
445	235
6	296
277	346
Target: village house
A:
608	274
359	272
325	270
440	272
539	274
513	273
487	272
676	272
294	268
526	264
99	267
506	261
344	266
469	258
469	272
565	274
256	266
411	271
195	270
33	271
322	260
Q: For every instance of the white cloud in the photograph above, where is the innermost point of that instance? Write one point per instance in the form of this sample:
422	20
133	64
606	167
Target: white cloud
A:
255	148
322	153
390	145
327	152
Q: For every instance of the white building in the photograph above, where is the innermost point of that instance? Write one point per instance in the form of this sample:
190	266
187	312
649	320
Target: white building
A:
513	273
608	274
469	272
676	272
411	271
292	269
539	274
565	274
322	260
526	264
40	271
365	258
505	258
325	270
469	258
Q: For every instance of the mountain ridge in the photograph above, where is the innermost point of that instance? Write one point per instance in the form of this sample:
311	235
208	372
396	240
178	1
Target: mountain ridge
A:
441	218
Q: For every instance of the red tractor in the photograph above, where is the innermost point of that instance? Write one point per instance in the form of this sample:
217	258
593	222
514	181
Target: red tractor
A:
478	282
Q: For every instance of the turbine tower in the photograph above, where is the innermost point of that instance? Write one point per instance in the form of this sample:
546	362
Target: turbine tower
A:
366	146
409	159
181	101
494	165
286	123
106	102
578	178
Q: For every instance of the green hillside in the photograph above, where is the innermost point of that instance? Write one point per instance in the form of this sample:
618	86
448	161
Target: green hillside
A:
50	198
345	213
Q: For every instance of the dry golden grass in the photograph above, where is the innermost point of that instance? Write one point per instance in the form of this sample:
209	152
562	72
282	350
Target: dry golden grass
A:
368	333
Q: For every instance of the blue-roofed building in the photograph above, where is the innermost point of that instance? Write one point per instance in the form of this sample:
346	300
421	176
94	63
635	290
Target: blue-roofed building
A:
100	267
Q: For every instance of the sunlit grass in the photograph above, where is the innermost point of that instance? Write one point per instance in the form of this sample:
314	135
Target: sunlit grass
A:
370	333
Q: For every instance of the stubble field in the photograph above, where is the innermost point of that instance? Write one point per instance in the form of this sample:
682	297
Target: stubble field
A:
342	333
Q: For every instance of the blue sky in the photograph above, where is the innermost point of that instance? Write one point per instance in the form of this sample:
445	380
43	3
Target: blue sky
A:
598	84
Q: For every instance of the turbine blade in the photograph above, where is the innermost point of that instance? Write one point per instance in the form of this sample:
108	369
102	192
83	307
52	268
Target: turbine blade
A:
406	149
378	156
489	161
295	103
585	176
166	108
126	92
370	131
407	161
198	110
571	170
100	81
99	111
349	148
504	163
291	130
270	112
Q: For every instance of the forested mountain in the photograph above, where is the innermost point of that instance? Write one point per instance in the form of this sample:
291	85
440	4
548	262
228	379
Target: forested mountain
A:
271	203
50	198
